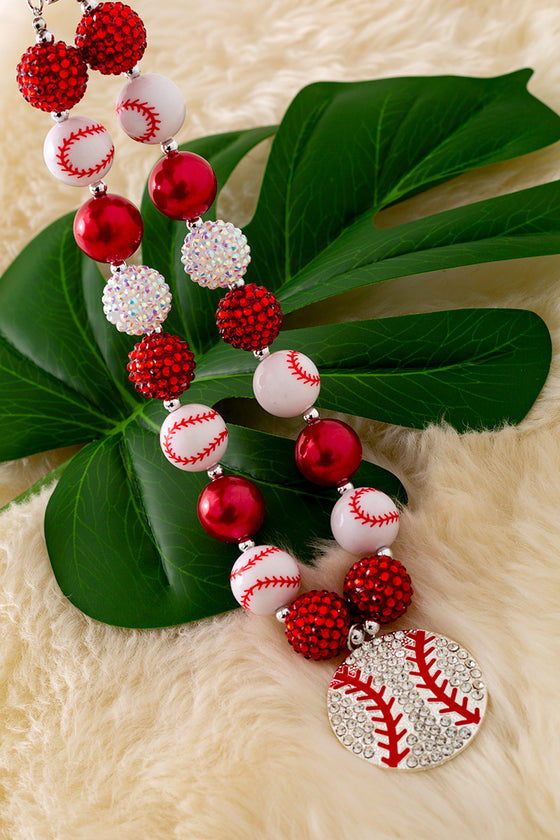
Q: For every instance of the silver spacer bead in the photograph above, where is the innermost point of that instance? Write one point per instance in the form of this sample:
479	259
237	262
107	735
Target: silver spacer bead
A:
372	628
311	415
193	223
356	637
39	25
236	284
169	146
171	405
282	614
215	472
88	6
261	354
246	545
98	188
344	488
118	268
60	116
44	37
385	551
134	73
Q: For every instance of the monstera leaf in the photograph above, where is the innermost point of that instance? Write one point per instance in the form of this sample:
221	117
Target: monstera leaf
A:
121	526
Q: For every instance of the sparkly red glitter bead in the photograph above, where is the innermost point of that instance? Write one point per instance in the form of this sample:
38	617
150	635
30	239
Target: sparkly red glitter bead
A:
108	228
249	318
328	452
378	588
231	508
182	185
161	366
111	38
317	624
52	77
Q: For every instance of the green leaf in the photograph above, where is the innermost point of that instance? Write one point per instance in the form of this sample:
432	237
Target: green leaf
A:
130	550
345	151
412	370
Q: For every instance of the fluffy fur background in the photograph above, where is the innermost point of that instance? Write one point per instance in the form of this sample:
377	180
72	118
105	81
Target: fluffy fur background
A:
219	730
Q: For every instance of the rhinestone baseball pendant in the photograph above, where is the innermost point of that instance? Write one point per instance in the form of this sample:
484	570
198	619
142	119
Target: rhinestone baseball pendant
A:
407	700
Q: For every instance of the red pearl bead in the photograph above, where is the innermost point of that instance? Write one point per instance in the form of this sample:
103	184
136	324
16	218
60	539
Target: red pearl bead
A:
52	77
182	185
378	588
328	452
317	624
231	508
249	318
111	38
108	228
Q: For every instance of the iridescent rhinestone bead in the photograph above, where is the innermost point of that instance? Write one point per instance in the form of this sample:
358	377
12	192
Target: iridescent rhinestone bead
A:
215	254
136	300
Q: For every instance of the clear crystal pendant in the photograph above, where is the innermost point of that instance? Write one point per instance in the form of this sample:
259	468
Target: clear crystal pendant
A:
408	700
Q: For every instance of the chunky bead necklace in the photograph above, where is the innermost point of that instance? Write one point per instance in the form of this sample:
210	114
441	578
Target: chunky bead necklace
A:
408	699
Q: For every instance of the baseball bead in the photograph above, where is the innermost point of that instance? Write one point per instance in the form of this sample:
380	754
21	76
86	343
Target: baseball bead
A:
264	578
194	437
78	151
364	520
286	383
150	108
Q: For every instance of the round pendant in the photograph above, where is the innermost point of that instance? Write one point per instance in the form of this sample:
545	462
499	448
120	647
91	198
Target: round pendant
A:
408	700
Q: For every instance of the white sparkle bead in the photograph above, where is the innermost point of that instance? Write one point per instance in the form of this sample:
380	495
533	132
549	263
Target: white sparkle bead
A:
215	254
136	300
286	383
364	520
265	578
150	108
78	151
194	437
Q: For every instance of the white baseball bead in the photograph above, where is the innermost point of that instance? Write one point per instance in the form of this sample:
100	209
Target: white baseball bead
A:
194	437
78	151
286	383
264	578
150	108
364	520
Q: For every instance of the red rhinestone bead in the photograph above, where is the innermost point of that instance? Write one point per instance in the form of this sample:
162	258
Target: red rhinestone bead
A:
111	38
317	624
378	588
108	228
249	318
231	508
52	77
182	185
161	366
328	452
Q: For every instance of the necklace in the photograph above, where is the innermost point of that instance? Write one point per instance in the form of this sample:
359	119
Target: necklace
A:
406	699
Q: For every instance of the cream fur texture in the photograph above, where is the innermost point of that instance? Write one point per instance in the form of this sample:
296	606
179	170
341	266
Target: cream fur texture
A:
218	731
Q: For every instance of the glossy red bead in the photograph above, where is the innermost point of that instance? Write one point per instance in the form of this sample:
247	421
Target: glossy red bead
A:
108	228
231	508
111	38
52	77
378	588
182	185
317	624
328	452
249	318
161	366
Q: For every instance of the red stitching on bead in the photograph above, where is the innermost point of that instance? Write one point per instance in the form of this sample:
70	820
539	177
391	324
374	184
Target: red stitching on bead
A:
429	680
184	423
301	374
266	583
353	683
368	518
68	142
149	114
254	560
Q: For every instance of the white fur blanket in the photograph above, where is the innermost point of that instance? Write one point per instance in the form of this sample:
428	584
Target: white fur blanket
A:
219	730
